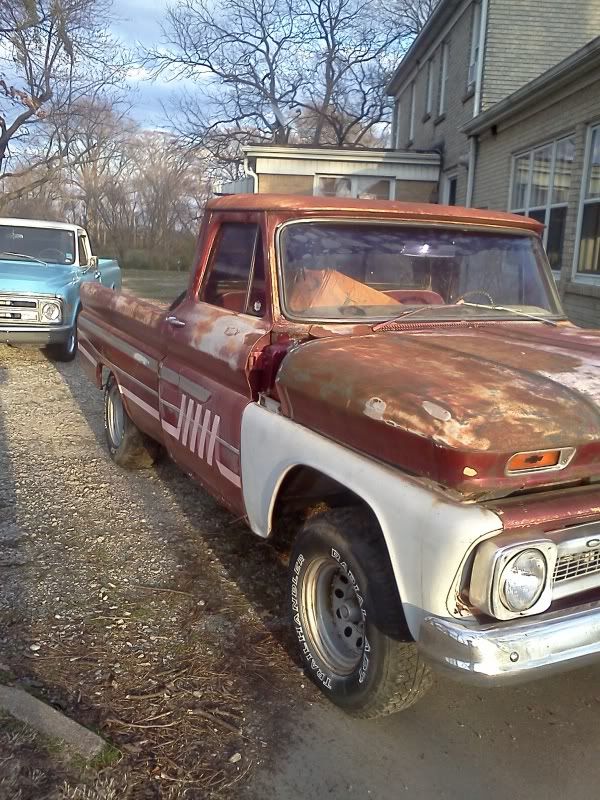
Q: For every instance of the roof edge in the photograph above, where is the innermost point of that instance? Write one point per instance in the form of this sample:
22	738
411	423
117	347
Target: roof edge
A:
563	73
342	154
439	16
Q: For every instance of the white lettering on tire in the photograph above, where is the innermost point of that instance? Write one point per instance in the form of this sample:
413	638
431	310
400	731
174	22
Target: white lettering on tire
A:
322	676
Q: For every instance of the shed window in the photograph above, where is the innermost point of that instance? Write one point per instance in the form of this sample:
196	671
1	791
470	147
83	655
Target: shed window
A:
541	181
361	186
589	232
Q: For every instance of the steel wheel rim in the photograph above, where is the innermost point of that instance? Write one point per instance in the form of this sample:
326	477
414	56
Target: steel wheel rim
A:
115	416
332	616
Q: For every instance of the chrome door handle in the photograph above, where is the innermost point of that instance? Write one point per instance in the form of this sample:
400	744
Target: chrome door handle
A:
176	323
97	275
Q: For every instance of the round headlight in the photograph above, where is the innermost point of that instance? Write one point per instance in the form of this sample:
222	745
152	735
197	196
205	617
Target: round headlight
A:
51	312
523	580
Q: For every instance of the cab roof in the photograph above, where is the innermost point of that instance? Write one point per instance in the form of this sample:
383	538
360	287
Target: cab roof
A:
38	223
298	205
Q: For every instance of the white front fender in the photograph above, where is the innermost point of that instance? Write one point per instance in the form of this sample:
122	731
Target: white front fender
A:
427	535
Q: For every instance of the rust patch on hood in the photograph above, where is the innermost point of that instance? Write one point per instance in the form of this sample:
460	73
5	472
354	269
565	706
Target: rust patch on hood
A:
453	405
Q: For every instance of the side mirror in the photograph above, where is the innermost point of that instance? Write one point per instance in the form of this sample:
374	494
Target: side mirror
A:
93	262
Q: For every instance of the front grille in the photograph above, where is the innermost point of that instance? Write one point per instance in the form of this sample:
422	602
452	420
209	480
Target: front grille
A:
576	565
18	310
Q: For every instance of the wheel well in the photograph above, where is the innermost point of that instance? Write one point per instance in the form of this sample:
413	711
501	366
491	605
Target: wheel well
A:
306	491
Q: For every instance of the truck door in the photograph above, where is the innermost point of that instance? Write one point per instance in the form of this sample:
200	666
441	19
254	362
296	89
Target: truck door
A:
209	340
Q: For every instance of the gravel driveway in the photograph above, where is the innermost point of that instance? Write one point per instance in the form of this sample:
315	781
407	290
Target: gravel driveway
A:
130	600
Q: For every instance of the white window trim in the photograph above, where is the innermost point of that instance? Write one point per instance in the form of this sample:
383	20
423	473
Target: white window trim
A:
446	187
549	205
474	52
429	88
353	178
576	276
411	131
397	121
443	79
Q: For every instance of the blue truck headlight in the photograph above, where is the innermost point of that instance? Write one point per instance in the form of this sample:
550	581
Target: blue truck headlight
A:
51	312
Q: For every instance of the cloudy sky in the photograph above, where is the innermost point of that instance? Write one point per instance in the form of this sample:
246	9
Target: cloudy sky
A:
138	25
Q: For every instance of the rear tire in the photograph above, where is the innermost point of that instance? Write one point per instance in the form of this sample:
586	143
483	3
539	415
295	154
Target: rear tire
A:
127	445
347	616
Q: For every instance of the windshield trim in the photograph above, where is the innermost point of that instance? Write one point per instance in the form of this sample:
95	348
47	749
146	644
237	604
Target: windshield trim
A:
411	223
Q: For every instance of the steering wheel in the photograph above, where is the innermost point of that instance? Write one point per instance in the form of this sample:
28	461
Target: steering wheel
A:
352	311
480	292
53	251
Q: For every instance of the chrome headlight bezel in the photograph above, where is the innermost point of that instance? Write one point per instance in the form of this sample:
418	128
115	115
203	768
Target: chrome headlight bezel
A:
51	304
491	561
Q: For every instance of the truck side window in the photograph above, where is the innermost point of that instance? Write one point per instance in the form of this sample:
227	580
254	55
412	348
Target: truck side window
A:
84	256
236	273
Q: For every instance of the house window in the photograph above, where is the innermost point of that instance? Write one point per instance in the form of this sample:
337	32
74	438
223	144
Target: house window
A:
541	181
429	89
360	186
411	132
475	34
443	78
588	262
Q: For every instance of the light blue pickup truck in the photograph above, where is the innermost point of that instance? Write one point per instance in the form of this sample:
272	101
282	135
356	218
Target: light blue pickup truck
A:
42	267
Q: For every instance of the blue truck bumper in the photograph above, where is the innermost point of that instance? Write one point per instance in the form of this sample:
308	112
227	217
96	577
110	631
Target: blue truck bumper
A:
40	335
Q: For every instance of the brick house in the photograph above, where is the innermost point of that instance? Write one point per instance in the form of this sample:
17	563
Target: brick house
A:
508	92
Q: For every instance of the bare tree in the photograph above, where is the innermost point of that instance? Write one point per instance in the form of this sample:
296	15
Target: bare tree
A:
267	69
246	54
53	53
413	13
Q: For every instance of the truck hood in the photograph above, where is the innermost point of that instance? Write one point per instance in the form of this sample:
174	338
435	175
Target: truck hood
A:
452	403
33	278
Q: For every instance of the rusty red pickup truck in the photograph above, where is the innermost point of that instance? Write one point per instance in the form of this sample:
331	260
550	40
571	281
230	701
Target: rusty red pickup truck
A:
396	389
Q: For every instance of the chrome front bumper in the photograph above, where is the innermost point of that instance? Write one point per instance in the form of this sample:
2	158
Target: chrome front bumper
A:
34	334
513	652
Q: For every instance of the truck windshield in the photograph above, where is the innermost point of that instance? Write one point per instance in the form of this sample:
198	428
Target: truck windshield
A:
32	245
367	272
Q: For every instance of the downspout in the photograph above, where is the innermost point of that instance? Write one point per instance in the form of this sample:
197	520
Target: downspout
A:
477	101
249	173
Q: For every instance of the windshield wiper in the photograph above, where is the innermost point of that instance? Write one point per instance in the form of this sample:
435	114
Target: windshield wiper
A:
24	255
512	311
409	313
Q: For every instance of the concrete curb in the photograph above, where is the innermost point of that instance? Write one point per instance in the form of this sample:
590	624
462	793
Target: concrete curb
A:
50	722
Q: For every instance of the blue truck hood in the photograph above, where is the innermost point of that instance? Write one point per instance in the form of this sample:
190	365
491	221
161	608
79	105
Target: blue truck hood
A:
34	278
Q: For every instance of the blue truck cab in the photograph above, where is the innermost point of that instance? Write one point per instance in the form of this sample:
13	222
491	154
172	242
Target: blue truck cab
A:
42	267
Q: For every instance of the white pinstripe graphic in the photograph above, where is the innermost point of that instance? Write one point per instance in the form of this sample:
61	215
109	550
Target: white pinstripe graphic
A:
198	432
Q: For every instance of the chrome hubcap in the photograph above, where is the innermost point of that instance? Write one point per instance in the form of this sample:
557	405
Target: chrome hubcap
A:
332	615
115	415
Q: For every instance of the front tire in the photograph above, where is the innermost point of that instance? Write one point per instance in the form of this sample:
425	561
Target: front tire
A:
127	445
67	350
348	618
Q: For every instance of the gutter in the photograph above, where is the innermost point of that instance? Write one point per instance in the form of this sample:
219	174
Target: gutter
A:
482	41
473	143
